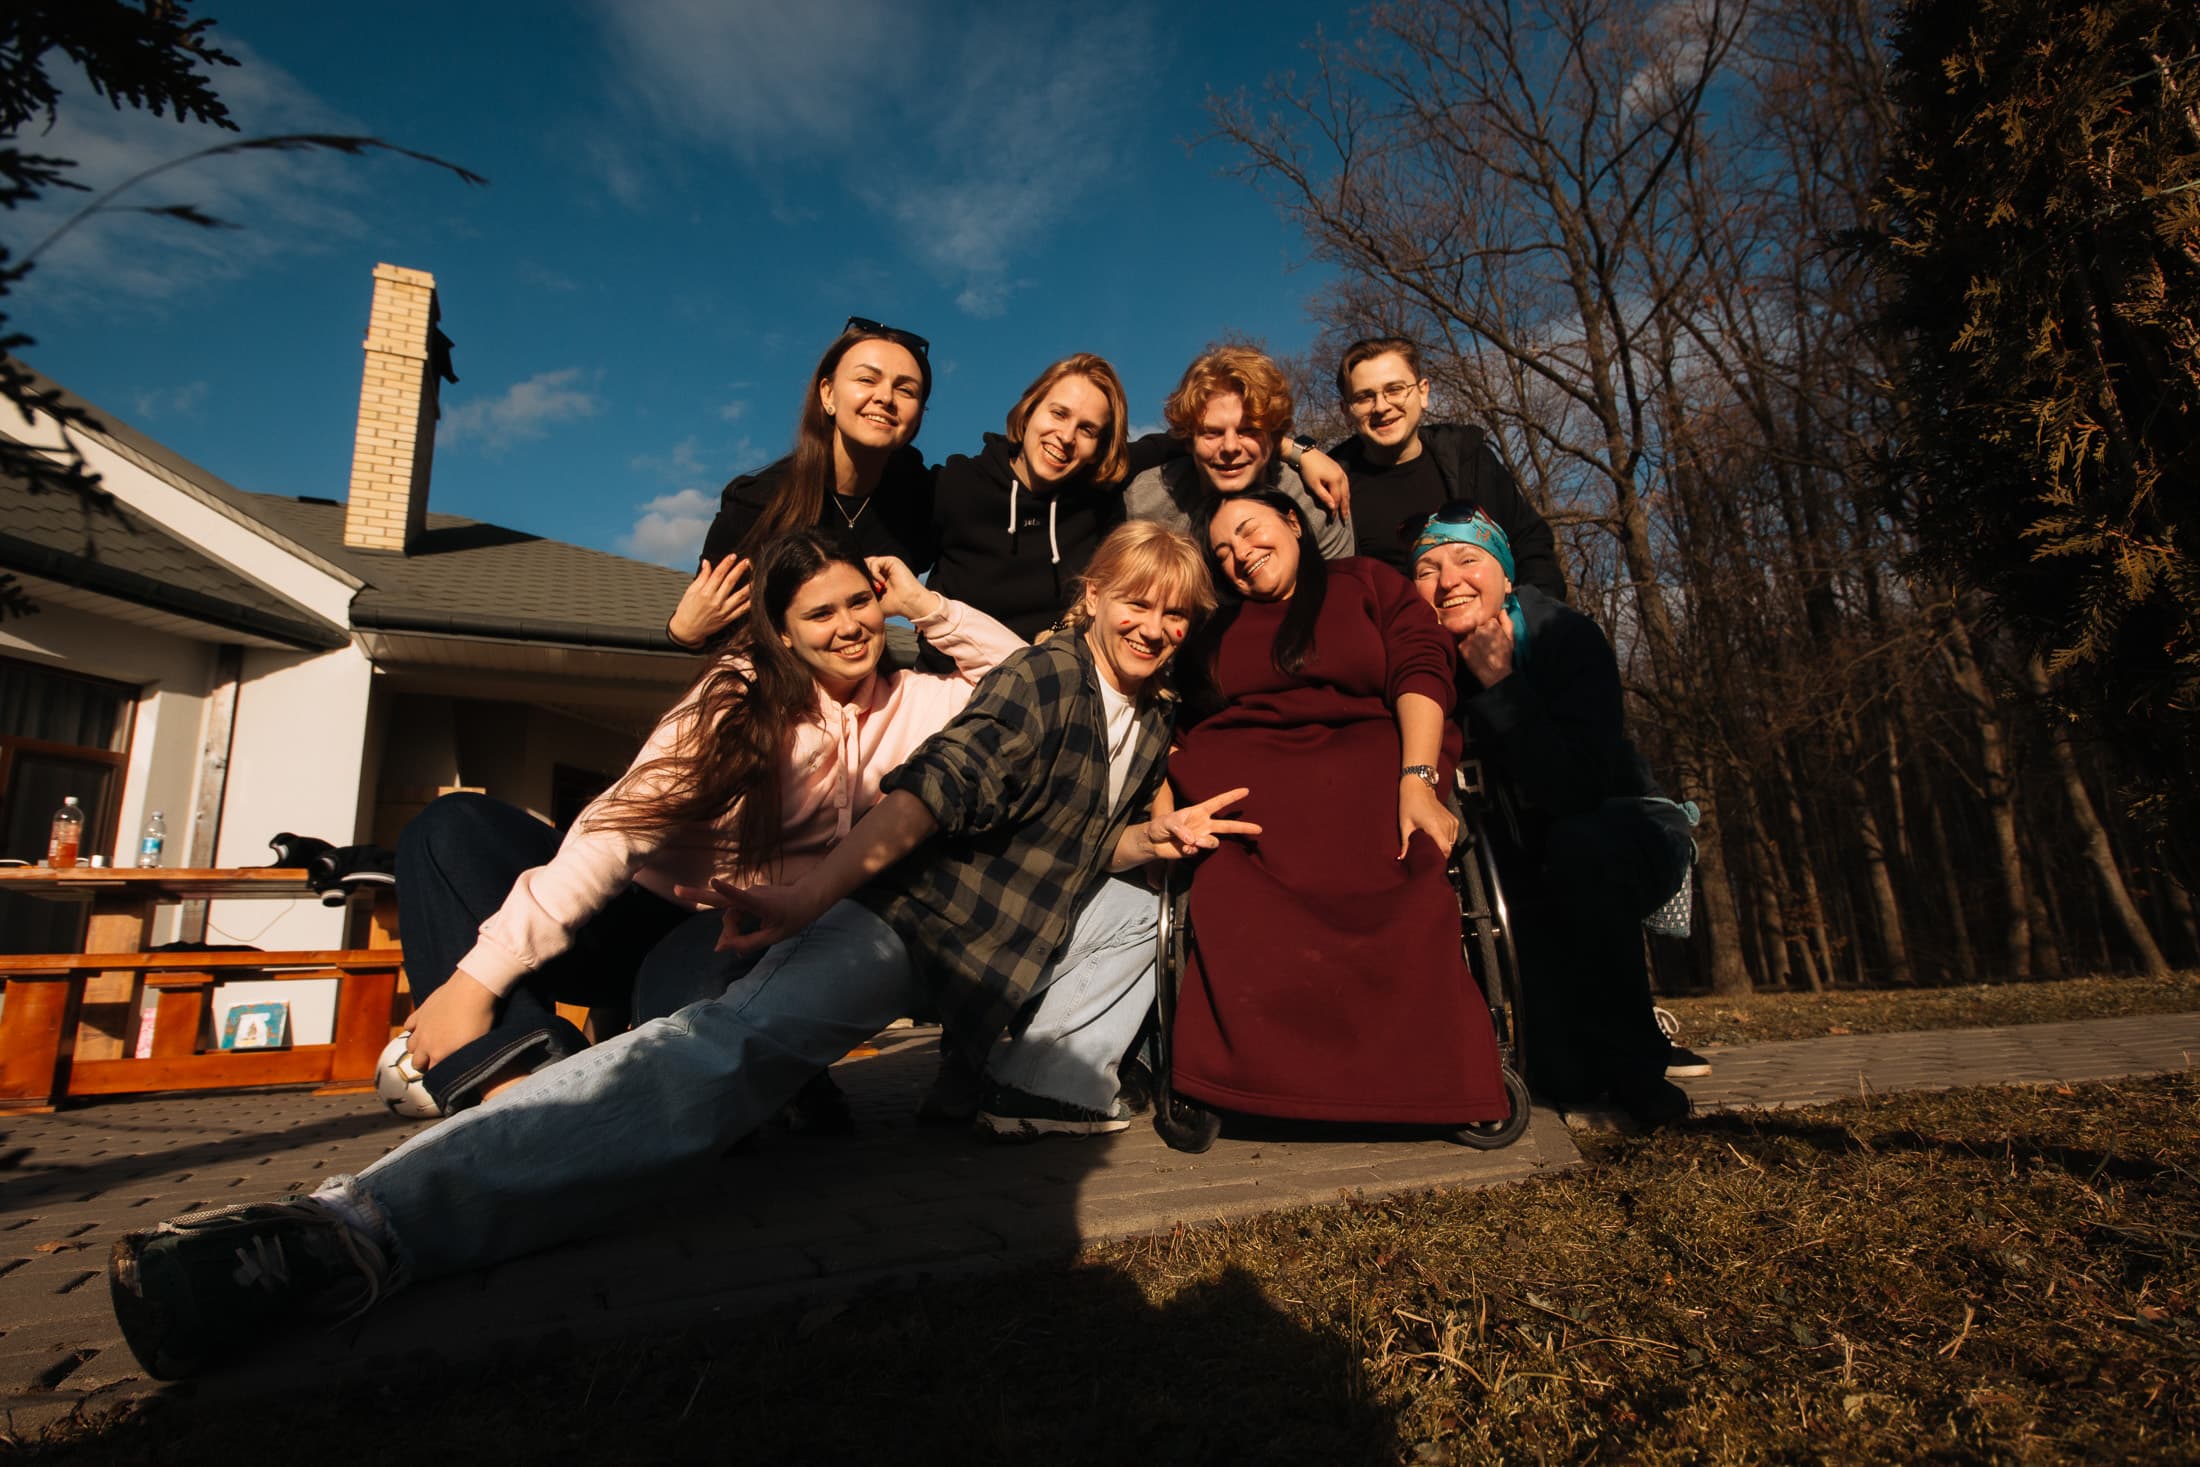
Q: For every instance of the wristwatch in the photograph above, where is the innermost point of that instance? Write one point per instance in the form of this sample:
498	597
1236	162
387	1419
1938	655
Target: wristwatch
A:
1426	773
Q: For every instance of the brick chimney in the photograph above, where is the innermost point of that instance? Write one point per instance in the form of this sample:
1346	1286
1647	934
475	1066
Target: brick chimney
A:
395	445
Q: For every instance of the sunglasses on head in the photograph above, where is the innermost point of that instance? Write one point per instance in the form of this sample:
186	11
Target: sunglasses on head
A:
868	327
1456	512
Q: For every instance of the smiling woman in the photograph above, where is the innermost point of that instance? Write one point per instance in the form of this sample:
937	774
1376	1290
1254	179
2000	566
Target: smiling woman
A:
745	774
1324	979
1017	521
853	471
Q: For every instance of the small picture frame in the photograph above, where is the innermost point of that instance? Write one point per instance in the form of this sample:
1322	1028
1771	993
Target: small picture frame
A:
257	1026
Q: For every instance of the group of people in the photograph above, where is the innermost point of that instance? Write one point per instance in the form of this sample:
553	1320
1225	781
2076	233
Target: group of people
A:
1213	645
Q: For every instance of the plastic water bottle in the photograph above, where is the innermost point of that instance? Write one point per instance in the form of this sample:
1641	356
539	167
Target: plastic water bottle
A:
155	837
68	834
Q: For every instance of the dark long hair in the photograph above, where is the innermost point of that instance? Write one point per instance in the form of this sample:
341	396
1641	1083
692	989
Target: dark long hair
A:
1294	642
798	500
731	736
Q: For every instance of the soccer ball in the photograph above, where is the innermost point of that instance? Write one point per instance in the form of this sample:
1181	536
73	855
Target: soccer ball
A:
399	1084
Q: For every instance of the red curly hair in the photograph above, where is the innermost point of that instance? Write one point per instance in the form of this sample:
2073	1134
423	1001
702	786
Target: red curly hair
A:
1249	373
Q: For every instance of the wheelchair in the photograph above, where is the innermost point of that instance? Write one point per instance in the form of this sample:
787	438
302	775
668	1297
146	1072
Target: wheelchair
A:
1485	938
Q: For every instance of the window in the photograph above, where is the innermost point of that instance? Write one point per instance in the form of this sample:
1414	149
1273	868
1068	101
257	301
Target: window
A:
60	735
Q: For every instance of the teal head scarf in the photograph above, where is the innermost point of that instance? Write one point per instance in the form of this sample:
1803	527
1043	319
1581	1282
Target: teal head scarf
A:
1460	523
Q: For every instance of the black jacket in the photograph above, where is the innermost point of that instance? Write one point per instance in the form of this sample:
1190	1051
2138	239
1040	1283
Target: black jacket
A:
895	520
1017	570
1471	470
1556	730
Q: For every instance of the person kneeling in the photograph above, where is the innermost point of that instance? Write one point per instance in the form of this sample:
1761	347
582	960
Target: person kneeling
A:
1595	848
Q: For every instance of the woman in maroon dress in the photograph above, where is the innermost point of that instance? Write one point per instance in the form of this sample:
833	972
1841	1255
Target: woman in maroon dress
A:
1325	979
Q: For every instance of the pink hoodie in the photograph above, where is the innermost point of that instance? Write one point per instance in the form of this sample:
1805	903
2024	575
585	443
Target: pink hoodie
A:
830	779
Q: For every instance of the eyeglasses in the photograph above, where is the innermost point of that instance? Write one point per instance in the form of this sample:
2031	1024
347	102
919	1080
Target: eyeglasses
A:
1395	394
869	327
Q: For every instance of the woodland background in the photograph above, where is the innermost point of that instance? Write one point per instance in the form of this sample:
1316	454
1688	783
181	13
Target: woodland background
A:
1852	348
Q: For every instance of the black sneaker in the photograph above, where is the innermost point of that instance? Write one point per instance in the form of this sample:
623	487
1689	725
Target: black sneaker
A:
1653	1102
1018	1115
198	1288
819	1108
1683	1063
1134	1088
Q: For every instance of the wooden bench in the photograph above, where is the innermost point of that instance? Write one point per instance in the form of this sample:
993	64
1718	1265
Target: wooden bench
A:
40	1066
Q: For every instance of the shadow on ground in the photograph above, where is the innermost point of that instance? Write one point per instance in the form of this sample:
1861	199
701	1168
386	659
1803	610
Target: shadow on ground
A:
1047	1365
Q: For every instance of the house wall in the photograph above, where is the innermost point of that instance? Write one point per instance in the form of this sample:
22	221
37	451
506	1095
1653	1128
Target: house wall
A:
507	750
296	763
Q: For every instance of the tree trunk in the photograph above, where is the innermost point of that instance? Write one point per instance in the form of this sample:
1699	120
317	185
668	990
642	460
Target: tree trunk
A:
2179	902
1964	965
2093	833
1878	877
1770	908
1814	902
1993	758
1729	974
2050	938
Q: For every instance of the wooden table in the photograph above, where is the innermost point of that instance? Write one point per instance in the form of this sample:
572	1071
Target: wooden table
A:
71	1019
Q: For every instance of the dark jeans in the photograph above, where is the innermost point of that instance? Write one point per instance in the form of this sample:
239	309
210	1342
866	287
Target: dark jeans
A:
1578	888
456	864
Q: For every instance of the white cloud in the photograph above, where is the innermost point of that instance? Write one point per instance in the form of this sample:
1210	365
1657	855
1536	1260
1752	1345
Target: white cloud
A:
670	528
734	411
525	410
758	78
615	167
172	402
683	461
972	176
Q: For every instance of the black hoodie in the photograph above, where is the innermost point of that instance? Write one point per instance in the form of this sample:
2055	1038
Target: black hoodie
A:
896	519
1014	554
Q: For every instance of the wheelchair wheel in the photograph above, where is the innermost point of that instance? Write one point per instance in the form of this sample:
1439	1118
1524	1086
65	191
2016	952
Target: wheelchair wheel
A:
1495	1135
1185	1125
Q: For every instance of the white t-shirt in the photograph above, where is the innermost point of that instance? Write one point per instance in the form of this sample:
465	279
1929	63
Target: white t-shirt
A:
1120	714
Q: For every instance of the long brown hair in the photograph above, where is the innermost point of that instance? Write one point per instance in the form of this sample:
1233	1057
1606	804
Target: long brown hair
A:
731	737
798	500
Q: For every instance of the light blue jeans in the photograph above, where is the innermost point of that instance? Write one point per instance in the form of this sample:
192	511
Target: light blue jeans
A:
577	1144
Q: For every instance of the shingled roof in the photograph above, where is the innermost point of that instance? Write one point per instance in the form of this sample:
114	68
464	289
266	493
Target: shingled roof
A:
462	577
105	546
466	578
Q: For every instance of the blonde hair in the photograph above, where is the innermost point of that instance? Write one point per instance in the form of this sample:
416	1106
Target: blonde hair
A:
1252	375
1113	462
1144	555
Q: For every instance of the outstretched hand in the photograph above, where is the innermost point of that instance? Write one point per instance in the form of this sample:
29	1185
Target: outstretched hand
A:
717	598
756	916
1187	831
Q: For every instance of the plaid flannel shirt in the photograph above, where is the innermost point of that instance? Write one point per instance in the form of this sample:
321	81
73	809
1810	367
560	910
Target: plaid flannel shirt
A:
1019	785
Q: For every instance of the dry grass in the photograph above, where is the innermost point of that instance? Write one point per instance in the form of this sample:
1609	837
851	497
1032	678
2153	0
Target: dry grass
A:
1996	1275
1759	1017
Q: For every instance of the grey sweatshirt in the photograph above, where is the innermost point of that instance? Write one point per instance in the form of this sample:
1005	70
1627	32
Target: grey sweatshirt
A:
1173	491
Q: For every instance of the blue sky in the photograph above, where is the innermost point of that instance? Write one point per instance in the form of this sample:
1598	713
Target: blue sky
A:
687	198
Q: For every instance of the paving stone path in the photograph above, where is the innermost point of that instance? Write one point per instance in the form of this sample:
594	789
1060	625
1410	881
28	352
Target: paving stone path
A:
805	1218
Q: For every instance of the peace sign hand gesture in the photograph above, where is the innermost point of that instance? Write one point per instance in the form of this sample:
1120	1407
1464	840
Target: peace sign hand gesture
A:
1177	834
